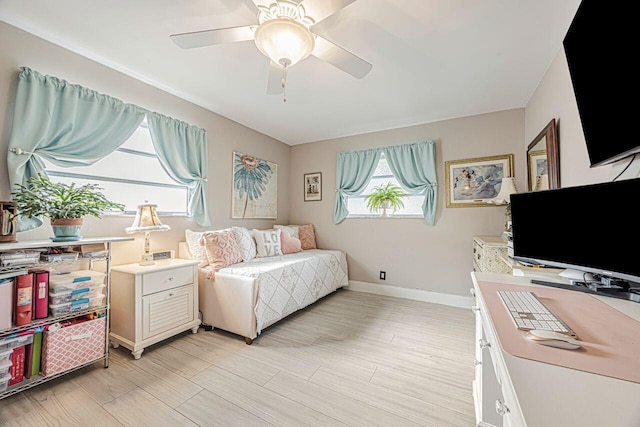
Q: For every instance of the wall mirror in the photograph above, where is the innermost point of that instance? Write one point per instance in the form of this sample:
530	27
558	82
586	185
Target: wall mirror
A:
543	160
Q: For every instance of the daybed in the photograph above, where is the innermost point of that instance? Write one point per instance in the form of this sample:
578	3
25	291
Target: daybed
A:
246	297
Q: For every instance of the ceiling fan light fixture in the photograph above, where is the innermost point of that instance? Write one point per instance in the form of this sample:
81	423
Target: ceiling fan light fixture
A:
284	40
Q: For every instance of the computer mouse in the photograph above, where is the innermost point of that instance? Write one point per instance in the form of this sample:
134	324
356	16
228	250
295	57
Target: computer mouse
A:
552	339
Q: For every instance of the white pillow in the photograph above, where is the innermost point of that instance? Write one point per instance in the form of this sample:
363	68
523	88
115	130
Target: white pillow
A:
198	252
267	242
291	229
245	242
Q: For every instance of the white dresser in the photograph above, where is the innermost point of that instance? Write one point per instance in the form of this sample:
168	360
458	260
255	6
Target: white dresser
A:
518	392
152	303
488	252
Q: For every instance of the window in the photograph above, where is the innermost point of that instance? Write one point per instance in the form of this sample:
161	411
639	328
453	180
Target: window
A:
130	175
357	205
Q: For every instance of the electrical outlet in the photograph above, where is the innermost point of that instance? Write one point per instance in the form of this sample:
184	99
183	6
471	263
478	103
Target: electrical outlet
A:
383	275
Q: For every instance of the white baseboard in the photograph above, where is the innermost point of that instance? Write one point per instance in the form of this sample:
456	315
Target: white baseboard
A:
414	294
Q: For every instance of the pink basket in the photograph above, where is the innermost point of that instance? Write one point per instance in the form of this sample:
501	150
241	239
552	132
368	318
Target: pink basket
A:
73	346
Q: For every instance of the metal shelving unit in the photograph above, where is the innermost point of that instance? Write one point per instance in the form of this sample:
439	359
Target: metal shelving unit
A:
8	271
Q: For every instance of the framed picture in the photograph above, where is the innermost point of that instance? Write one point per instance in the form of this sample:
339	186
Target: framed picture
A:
312	186
472	182
255	188
538	165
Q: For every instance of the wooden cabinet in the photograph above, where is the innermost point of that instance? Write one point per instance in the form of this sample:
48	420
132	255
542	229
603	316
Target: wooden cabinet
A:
101	262
153	302
488	254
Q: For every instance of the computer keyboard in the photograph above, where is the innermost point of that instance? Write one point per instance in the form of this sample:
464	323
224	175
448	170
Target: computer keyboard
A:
529	312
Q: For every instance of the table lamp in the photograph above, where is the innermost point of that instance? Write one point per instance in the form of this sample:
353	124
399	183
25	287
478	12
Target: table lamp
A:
146	221
507	188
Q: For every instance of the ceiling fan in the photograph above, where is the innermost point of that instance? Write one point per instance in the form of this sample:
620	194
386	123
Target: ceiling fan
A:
285	35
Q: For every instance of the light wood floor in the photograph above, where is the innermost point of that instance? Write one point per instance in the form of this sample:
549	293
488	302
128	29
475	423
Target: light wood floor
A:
351	359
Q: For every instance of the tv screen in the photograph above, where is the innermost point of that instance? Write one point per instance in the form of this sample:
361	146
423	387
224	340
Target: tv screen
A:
589	228
598	47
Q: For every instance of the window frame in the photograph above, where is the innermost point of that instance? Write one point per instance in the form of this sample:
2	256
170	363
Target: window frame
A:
391	215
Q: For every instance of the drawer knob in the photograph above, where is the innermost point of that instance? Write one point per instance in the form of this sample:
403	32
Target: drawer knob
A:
484	343
475	309
501	408
171	279
476	362
472	291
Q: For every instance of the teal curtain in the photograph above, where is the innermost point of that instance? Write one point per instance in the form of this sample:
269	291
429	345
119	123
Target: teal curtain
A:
353	172
414	166
182	150
64	123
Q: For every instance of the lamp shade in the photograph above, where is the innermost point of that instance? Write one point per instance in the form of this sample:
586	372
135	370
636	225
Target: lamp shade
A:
542	182
507	188
146	220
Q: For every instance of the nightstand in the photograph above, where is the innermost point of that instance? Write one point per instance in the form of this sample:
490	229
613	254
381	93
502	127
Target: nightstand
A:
153	302
487	253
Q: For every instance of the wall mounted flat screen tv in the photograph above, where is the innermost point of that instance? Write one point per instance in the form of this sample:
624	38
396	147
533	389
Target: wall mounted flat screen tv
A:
599	47
591	228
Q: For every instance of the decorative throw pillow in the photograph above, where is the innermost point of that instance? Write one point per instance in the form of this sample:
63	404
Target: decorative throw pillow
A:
290	245
245	242
291	229
267	242
197	251
221	248
307	236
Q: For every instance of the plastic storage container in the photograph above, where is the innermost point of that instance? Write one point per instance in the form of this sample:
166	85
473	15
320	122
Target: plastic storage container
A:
96	301
68	307
7	343
4	382
61	297
75	280
5	361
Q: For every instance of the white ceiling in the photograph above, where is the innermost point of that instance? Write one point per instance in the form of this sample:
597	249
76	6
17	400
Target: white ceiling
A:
432	59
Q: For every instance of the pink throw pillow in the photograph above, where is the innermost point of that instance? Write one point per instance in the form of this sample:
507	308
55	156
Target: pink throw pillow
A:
290	245
221	248
307	236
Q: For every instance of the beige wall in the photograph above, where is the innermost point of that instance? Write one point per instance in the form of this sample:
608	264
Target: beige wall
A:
554	98
414	255
19	48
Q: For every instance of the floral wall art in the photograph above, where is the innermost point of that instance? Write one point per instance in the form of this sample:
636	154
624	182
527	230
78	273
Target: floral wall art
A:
255	187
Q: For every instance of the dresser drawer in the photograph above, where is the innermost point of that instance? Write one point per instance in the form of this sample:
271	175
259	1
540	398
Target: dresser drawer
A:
166	279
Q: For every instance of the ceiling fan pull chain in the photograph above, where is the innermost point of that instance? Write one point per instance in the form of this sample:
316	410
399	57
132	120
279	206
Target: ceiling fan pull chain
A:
284	83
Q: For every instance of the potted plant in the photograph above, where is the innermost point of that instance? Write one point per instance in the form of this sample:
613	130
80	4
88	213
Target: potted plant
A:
384	197
65	205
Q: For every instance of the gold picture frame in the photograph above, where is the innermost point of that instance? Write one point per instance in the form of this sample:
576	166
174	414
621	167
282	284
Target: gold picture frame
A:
538	165
473	182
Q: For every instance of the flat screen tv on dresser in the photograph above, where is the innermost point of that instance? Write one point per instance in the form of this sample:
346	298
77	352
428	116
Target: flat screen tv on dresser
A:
590	228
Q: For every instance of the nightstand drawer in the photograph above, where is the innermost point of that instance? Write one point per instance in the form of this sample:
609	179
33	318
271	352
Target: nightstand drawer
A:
166	279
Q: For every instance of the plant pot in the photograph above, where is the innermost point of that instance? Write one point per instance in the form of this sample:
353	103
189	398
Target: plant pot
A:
385	205
66	229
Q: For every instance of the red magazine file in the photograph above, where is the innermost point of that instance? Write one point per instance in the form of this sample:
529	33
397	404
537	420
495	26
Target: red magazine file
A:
24	290
17	368
41	294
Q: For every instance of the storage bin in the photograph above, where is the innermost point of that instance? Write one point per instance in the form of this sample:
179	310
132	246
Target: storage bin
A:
96	301
20	341
61	297
73	345
68	307
5	356
75	280
7	343
5	366
4	382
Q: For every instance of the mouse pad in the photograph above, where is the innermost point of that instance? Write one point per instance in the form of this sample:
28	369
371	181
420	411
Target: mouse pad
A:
610	339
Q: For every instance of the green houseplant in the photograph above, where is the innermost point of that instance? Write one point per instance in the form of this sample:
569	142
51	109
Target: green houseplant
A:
384	197
65	205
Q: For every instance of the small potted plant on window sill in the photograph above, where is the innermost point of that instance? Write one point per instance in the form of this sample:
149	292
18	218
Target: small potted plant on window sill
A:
384	197
65	205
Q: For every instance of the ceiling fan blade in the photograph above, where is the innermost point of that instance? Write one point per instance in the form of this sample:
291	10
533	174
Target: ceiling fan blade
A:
341	58
320	9
212	37
276	74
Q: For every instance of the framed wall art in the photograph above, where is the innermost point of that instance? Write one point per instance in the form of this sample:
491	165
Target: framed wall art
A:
255	188
312	186
473	182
